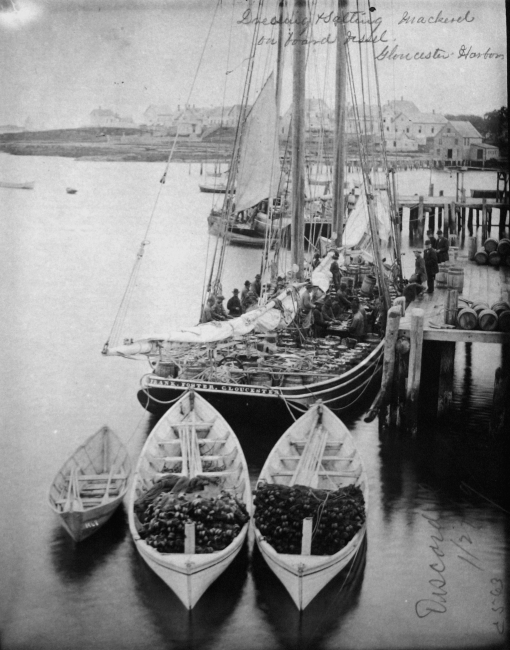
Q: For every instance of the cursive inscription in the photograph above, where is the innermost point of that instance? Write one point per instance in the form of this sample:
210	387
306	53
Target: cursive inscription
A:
434	20
396	55
437	604
467	53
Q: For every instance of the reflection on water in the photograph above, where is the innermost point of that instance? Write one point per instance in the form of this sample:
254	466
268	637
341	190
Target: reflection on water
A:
181	628
77	562
322	619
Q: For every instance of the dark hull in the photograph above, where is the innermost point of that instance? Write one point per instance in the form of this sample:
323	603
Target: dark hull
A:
342	393
211	189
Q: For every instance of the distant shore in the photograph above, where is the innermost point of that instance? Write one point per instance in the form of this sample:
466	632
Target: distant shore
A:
121	145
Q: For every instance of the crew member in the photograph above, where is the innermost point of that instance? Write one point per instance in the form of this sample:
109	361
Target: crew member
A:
430	258
219	312
419	267
234	305
316	260
244	293
357	326
207	315
432	239
335	270
306	309
442	247
412	290
257	285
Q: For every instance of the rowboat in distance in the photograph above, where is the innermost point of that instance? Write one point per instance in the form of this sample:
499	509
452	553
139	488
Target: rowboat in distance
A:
71	190
91	484
316	452
18	186
192	442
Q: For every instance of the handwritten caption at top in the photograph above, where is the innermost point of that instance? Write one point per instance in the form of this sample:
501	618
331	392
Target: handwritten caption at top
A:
390	50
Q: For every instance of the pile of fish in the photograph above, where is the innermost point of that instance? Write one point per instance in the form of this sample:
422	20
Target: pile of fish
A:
174	501
280	510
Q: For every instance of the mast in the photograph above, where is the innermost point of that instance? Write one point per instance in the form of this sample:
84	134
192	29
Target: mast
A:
298	143
340	144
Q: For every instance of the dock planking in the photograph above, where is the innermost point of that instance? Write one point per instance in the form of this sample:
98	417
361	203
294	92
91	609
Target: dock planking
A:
481	283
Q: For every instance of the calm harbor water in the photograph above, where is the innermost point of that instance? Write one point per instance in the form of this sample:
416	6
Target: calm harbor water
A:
434	570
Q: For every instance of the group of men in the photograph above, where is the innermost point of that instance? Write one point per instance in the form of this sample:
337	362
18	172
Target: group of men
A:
426	267
239	304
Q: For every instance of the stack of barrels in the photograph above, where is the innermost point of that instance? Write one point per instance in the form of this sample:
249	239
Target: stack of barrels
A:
450	277
494	252
482	317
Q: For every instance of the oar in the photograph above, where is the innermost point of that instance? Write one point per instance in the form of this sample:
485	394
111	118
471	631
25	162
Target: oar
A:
106	495
76	489
69	488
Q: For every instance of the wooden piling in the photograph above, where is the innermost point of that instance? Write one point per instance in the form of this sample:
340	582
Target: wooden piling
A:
500	415
413	380
484	220
451	306
446	220
400	301
390	339
446	367
453	218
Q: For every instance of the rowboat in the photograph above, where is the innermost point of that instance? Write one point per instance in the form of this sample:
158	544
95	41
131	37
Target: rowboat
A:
91	484
318	452
71	190
18	186
192	440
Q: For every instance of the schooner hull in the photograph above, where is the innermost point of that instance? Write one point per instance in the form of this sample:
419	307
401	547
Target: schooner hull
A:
304	582
342	392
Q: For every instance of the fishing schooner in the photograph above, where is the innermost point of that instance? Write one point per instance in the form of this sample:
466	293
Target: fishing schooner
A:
264	359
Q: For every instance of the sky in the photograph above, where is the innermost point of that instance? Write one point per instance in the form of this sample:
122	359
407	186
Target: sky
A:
60	59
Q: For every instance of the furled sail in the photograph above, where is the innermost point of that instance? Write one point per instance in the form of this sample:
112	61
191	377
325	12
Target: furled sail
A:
259	164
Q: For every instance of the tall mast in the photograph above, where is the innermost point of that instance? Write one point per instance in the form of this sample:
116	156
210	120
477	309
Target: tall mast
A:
298	143
279	56
340	141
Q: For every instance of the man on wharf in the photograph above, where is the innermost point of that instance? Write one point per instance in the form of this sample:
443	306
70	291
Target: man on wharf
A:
335	270
419	267
430	257
442	247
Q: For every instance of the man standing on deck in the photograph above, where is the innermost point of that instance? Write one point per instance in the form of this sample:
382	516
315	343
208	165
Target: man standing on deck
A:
207	315
335	270
432	239
257	286
442	247
218	310
306	309
244	293
430	257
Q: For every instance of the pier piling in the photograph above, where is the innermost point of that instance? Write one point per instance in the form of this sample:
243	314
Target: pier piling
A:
413	380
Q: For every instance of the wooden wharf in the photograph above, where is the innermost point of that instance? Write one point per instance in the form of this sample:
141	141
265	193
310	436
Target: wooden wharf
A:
425	327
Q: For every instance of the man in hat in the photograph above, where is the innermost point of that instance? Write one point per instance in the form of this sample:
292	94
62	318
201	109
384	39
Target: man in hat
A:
419	267
257	286
244	293
219	312
316	260
335	270
306	309
431	238
442	247
430	258
234	305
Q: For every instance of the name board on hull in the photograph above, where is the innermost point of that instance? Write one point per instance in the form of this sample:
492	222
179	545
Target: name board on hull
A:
221	388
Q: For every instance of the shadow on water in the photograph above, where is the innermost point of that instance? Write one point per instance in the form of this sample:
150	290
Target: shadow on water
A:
312	628
196	629
77	562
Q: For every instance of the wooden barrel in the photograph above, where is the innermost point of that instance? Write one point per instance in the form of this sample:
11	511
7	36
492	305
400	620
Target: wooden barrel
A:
454	253
490	245
442	275
354	272
368	285
292	381
500	306
467	319
261	379
455	278
479	306
487	320
494	258
190	372
504	247
481	256
504	321
166	369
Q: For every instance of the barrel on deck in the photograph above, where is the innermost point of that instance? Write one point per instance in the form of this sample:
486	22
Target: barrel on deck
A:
442	275
261	379
292	380
500	306
504	247
488	320
479	306
455	278
481	256
490	245
368	285
504	321
494	258
467	319
166	369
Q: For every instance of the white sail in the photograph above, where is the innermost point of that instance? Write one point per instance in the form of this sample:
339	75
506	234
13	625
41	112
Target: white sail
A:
259	165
